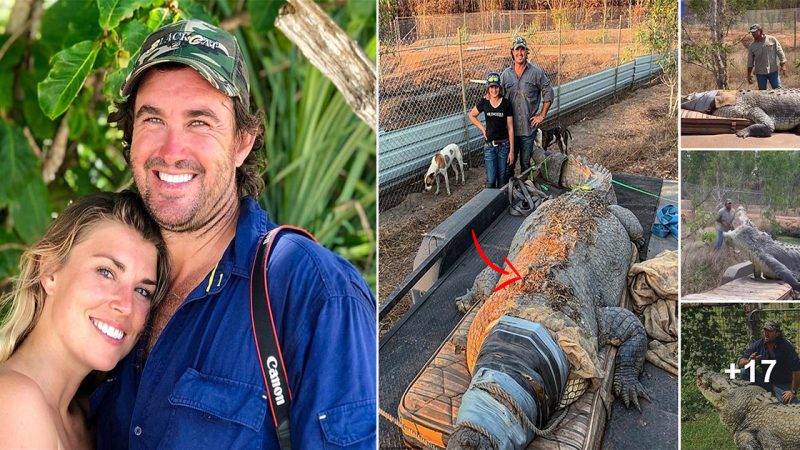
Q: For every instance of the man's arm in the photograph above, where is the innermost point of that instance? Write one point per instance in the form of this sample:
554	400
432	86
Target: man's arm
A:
547	98
329	345
781	55
750	64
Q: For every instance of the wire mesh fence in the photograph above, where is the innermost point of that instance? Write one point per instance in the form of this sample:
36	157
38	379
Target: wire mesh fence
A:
432	70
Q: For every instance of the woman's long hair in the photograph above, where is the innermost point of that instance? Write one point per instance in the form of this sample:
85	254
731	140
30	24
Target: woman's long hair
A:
23	305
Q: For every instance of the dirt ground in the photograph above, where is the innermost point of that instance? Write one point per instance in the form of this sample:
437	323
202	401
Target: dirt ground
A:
631	136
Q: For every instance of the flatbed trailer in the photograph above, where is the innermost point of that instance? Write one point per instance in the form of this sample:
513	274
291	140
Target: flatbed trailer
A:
405	349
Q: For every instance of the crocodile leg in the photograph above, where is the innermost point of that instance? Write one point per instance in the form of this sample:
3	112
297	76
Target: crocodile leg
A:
764	125
746	440
620	327
781	270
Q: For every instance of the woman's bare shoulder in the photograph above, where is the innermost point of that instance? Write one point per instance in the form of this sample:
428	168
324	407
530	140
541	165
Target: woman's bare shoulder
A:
26	420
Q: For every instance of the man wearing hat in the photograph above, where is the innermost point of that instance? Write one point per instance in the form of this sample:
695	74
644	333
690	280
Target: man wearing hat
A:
784	379
196	380
525	84
765	56
724	222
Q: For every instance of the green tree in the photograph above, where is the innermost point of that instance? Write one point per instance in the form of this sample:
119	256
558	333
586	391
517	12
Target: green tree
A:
63	62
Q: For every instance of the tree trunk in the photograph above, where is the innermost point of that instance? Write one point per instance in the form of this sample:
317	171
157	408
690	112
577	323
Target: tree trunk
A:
331	51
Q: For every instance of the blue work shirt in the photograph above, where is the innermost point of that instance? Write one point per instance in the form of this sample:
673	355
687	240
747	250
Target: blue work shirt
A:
201	386
784	354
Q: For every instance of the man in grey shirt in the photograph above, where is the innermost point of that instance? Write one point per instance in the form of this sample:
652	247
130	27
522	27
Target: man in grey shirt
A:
525	84
765	56
724	222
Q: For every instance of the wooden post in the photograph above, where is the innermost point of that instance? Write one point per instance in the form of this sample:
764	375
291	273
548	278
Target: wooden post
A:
619	44
558	67
464	94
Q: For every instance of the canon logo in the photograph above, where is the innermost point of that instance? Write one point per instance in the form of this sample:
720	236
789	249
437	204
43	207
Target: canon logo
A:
277	390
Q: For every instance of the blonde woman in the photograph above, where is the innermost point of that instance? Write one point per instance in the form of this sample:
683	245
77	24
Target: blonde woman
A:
80	303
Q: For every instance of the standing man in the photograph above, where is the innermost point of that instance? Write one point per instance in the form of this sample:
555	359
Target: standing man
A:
525	84
765	56
195	379
785	376
724	222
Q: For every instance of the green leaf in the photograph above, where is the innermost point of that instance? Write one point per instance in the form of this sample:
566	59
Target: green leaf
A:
70	67
9	260
112	12
13	55
197	11
263	15
6	89
68	22
18	163
156	18
41	127
31	211
133	34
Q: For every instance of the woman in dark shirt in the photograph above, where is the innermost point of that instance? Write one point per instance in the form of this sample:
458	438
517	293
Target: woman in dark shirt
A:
498	132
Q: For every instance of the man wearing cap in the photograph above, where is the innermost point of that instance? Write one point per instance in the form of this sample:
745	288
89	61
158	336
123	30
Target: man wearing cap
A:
195	379
784	379
525	84
765	56
724	222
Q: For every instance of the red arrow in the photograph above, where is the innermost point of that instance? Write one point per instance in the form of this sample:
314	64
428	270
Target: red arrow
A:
494	267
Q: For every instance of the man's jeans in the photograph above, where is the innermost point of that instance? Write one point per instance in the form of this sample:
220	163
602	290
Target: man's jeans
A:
495	160
774	80
524	148
775	388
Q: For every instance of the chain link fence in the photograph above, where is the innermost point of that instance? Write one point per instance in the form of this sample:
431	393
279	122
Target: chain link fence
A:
432	70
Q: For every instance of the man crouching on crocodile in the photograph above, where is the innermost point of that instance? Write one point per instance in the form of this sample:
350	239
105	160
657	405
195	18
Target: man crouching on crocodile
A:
785	376
755	418
533	346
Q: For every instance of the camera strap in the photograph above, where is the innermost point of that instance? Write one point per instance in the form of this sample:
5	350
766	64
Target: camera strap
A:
270	358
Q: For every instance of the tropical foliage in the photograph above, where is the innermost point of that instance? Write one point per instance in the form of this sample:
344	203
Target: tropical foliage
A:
60	70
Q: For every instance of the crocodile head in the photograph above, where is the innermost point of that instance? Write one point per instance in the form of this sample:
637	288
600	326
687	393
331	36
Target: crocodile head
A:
734	399
749	240
716	387
570	172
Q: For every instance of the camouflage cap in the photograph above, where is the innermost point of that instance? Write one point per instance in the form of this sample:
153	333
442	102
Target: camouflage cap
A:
771	325
211	51
518	41
755	27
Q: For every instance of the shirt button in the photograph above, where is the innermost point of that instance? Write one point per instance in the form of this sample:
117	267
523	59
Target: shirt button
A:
137	431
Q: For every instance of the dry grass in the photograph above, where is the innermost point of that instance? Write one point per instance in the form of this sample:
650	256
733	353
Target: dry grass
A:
702	267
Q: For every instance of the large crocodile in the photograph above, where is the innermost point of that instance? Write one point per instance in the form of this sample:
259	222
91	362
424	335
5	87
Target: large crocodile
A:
771	259
534	344
775	110
756	419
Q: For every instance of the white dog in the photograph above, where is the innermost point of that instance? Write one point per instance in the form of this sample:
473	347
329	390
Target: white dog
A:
442	161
